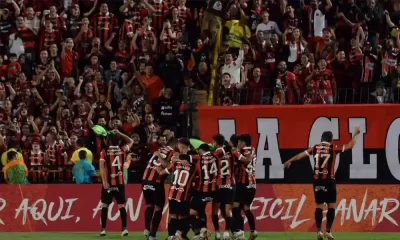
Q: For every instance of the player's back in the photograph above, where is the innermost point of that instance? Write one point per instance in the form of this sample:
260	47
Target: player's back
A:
115	157
207	179
246	172
324	156
150	174
226	166
183	177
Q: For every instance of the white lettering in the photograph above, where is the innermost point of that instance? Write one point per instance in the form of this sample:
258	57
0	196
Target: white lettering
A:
268	130
3	204
40	207
352	213
392	148
132	209
276	212
357	168
227	127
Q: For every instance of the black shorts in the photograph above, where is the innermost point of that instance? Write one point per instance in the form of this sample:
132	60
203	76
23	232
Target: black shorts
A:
225	195
199	200
154	194
245	195
179	208
325	191
117	193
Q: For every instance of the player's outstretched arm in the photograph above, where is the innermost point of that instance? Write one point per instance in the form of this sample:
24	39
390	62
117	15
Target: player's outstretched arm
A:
298	157
353	140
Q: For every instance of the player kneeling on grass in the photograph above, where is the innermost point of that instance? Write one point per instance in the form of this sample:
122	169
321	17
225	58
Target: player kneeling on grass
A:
112	175
324	155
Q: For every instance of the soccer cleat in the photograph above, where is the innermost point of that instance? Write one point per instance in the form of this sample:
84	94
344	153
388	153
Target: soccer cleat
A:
204	233
103	233
239	235
146	233
124	233
226	235
329	236
178	235
253	235
320	236
152	238
217	236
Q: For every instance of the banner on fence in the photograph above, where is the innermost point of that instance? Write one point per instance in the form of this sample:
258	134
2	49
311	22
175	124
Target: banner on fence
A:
279	132
277	207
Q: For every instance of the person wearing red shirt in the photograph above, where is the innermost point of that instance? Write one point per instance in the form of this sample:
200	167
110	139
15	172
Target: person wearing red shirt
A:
48	36
14	67
311	96
327	46
288	82
303	70
256	87
69	60
104	23
324	81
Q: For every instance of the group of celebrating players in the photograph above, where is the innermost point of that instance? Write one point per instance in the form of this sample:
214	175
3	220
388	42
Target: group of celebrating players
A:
223	174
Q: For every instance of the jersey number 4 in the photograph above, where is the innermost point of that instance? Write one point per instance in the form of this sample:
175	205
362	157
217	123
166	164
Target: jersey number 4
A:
324	157
116	163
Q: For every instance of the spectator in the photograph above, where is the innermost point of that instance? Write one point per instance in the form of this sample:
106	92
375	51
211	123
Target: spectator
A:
83	171
80	146
15	171
12	146
380	95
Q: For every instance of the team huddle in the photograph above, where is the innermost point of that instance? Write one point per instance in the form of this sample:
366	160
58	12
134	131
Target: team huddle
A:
222	174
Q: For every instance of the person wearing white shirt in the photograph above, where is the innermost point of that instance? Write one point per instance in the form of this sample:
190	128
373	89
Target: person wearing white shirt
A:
32	21
233	67
268	27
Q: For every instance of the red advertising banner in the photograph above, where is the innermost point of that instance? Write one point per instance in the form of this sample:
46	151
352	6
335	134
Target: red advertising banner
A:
279	132
277	207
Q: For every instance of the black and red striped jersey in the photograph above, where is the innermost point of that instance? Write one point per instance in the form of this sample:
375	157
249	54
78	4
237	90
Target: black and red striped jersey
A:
54	155
182	178
114	158
150	174
226	167
324	155
207	179
246	172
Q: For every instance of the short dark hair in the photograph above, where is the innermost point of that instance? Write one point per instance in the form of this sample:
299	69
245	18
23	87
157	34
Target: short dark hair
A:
82	154
246	138
113	139
184	141
234	140
327	136
219	139
11	155
204	147
80	142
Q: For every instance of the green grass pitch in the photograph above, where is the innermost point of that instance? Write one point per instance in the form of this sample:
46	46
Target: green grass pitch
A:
162	236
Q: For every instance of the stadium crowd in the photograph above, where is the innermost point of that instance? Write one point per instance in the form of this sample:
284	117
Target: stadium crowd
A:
127	65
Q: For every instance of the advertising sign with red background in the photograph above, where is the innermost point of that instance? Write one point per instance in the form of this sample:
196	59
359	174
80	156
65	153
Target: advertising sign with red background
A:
277	208
279	132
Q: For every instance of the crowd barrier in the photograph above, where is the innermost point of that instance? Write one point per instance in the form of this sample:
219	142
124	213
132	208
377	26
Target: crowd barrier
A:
277	208
264	96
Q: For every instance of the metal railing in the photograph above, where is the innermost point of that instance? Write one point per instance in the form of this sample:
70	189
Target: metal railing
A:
265	96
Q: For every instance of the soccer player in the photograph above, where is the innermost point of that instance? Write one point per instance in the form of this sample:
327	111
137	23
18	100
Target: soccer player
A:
153	189
205	189
112	176
324	155
245	187
184	168
226	186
